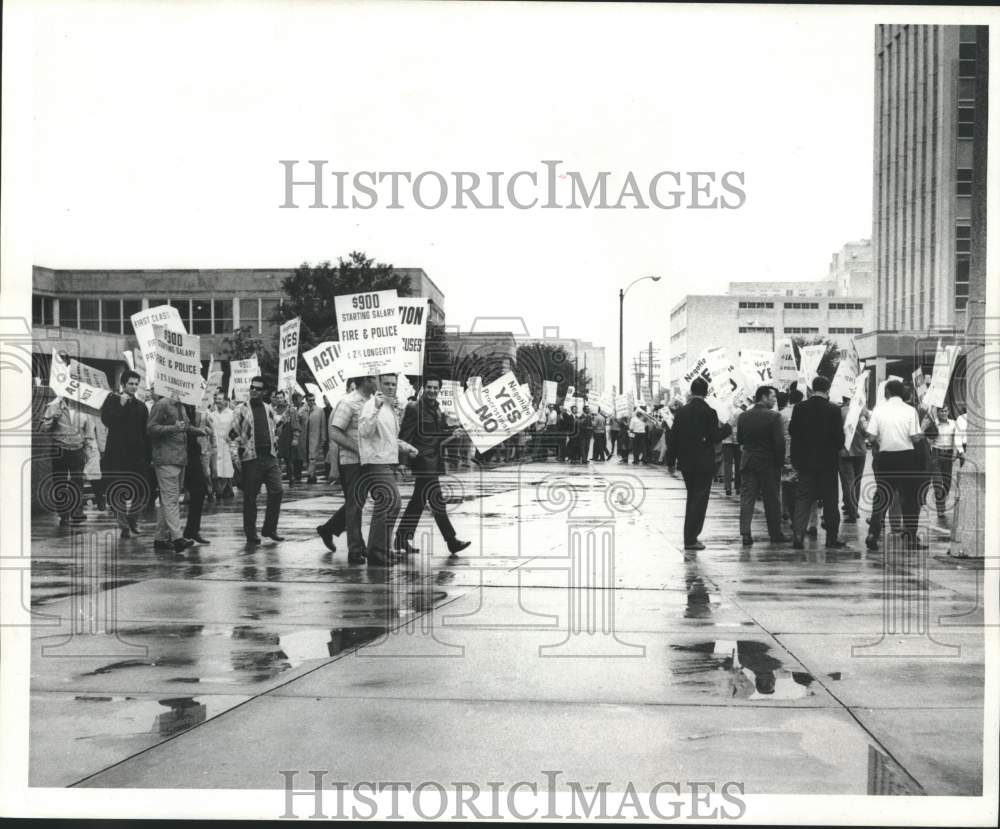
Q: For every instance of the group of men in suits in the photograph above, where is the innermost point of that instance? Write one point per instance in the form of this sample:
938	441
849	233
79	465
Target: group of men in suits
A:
816	434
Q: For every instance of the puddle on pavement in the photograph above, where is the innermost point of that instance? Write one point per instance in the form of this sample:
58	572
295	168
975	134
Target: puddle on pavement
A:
245	654
741	669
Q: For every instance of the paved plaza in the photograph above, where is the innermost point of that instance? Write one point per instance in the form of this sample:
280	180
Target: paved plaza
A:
577	636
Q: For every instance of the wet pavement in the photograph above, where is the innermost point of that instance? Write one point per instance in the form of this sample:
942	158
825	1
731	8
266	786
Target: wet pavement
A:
577	635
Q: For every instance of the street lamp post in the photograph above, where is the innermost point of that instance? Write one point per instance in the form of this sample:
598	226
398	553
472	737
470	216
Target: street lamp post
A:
621	329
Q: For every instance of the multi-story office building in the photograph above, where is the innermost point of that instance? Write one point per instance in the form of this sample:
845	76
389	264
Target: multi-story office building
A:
851	268
929	219
929	212
89	311
756	315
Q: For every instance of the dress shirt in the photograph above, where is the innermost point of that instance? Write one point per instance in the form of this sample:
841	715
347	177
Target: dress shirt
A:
892	424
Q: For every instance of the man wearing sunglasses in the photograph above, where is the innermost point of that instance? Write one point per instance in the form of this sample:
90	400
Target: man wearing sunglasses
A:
253	430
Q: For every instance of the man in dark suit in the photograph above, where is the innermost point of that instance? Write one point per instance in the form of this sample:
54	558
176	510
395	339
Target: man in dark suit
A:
695	432
762	454
817	434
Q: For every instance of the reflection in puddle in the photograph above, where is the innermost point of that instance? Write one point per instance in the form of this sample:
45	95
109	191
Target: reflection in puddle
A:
740	669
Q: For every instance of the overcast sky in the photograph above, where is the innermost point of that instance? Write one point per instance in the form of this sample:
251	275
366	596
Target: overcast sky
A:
158	128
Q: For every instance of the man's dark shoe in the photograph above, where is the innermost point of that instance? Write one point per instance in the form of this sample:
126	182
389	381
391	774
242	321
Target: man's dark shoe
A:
779	539
125	533
798	543
181	544
850	519
327	535
912	542
253	539
694	545
311	480
134	527
274	536
747	540
456	546
871	542
812	532
162	545
197	538
835	544
356	560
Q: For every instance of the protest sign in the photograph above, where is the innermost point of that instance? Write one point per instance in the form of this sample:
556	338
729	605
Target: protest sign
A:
288	354
240	374
622	407
142	324
570	391
368	326
499	411
722	382
88	375
784	369
176	366
755	368
450	389
699	368
844	381
412	333
811	356
64	384
944	364
550	388
332	369
213	382
854	411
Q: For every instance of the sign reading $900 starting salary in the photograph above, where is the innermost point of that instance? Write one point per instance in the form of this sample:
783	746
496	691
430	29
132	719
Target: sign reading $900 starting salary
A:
496	412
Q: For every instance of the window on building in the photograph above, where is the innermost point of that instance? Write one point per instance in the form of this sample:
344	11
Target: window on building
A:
90	314
962	261
789	293
223	312
267	309
756	305
183	307
811	306
967	60
111	316
966	118
831	292
963	181
750	329
42	310
129	307
68	313
845	330
201	316
963	239
801	330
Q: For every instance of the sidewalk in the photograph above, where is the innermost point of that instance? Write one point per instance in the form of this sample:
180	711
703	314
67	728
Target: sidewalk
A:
731	664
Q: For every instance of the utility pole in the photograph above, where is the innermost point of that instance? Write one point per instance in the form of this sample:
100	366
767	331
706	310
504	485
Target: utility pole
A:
651	371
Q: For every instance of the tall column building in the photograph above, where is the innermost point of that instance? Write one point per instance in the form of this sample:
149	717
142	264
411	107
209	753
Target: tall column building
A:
929	211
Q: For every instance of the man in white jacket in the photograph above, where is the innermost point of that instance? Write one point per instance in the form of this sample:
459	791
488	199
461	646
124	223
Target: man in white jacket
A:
379	444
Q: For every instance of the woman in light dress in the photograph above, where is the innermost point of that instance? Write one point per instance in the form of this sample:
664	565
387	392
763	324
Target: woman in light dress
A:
220	418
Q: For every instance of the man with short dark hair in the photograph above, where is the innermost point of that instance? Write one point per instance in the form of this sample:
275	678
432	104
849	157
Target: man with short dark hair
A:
817	433
762	452
425	427
893	431
126	454
696	430
168	426
344	432
253	429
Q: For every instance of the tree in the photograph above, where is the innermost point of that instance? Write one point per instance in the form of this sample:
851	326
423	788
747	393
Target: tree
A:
831	358
536	362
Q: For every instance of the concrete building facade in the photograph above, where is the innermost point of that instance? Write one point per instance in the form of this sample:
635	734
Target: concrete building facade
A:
751	320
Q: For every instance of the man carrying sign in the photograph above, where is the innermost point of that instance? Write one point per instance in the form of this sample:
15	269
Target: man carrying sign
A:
426	428
73	436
